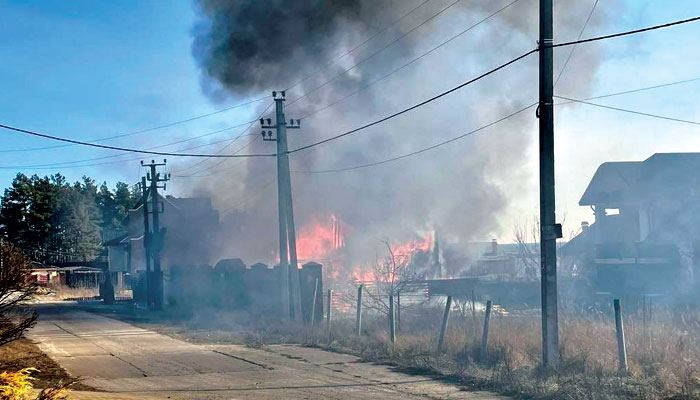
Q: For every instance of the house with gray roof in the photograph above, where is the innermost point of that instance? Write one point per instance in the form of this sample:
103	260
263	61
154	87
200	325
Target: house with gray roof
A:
646	234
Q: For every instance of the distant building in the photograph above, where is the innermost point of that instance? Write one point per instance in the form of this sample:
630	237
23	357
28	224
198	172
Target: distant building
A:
646	234
191	228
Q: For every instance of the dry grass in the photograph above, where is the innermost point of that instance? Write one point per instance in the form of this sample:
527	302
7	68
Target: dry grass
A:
63	292
22	354
663	352
19	385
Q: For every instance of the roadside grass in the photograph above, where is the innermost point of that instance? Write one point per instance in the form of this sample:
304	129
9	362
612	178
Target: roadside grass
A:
663	352
63	292
46	373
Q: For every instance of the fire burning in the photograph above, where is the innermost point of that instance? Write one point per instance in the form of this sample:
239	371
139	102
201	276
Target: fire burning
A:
323	240
319	240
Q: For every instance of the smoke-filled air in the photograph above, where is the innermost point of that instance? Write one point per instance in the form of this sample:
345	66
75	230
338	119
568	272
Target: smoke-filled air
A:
342	68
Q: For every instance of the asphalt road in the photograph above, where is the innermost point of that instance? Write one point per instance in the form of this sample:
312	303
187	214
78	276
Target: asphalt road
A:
128	362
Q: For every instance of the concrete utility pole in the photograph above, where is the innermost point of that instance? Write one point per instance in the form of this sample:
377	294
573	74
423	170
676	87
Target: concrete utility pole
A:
550	231
146	242
156	242
288	247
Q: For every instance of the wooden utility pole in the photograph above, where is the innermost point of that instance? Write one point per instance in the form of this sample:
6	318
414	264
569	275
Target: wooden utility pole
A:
146	241
156	239
291	290
550	231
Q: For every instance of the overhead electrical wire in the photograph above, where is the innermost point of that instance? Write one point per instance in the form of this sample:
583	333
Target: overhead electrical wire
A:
626	33
75	164
91	144
422	150
374	53
443	43
147	148
571	43
571	53
195	174
668	84
629	111
313	74
142	130
413	60
413	107
126	149
336	59
298	82
584	101
642	89
248	196
180	174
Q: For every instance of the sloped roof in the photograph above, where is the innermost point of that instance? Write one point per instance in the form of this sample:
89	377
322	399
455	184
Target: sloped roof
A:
613	182
631	182
117	241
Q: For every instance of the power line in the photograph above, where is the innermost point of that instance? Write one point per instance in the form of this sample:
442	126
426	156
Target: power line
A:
46	166
250	196
572	43
413	107
642	89
423	150
68	163
262	114
142	130
303	79
75	164
614	35
412	60
92	144
126	149
571	53
629	111
333	61
443	43
194	174
373	54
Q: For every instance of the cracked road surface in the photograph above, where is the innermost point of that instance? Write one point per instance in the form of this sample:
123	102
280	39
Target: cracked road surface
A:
127	362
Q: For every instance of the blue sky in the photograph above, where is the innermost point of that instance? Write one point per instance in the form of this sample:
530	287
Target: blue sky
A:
90	69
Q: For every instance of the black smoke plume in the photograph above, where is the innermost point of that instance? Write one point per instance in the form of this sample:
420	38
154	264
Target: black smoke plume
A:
467	189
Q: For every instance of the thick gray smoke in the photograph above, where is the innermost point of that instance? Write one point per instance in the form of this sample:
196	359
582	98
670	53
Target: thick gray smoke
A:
462	189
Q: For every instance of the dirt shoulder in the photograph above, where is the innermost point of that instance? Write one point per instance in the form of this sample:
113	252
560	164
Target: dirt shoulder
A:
23	353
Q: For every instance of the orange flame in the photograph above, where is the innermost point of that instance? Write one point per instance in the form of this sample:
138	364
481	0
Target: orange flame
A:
319	239
322	240
365	274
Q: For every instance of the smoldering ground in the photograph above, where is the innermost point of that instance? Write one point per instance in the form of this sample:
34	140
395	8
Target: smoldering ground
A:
245	48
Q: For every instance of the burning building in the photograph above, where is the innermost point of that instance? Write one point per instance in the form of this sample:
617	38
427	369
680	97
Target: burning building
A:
646	234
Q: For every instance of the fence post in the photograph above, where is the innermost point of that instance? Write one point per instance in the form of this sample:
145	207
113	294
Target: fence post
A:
473	309
329	313
485	337
392	326
358	319
445	319
398	311
621	348
313	306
